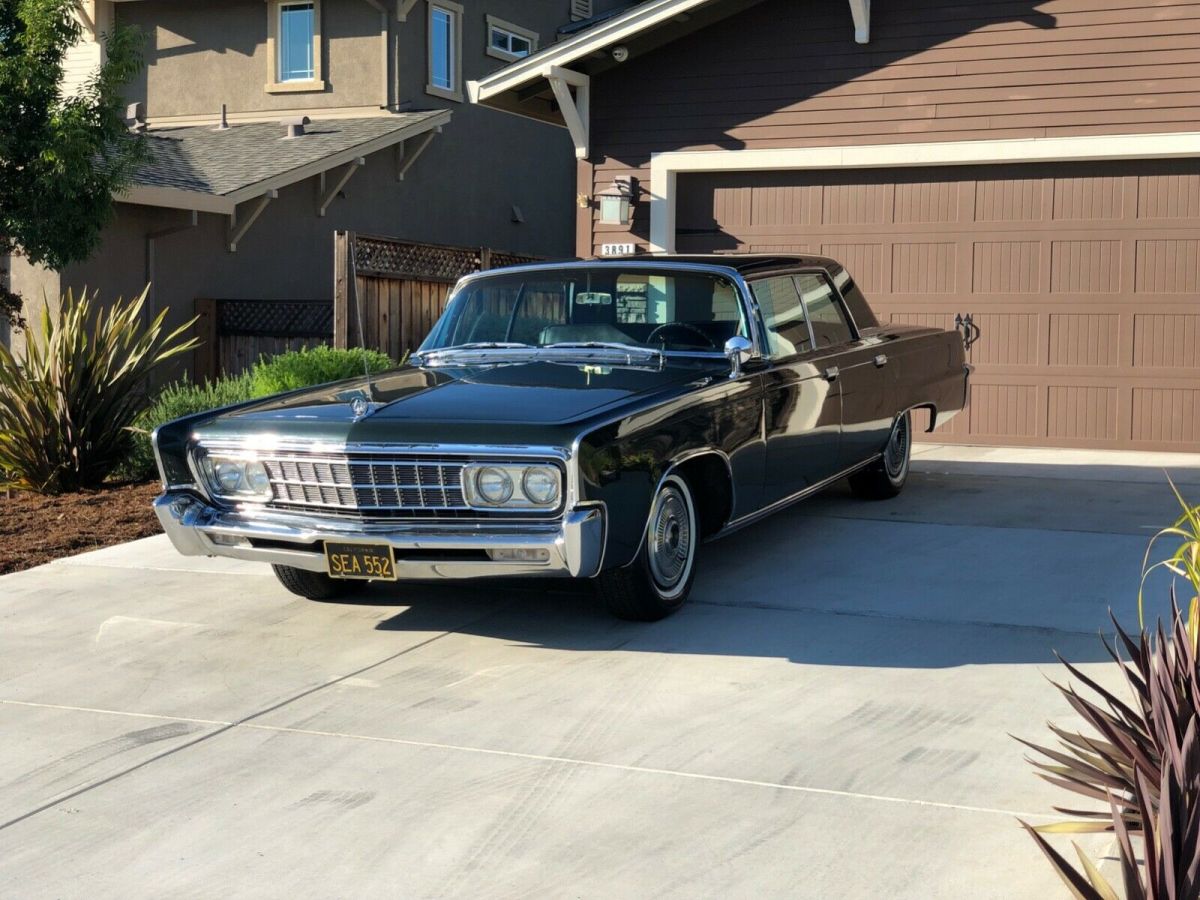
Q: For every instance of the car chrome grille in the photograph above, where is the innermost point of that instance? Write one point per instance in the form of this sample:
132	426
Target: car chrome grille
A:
370	484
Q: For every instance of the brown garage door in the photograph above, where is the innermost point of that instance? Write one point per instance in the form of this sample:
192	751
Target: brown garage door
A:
1083	278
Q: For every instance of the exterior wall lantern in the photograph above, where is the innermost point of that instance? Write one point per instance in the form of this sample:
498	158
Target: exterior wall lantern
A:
616	201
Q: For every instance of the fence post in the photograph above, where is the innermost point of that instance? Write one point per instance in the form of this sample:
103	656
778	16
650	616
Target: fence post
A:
206	357
343	246
485	258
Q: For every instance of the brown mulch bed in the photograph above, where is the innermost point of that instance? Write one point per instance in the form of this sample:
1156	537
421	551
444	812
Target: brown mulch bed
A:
36	529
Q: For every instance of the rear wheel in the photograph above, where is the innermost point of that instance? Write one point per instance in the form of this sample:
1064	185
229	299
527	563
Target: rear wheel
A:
658	581
886	477
316	585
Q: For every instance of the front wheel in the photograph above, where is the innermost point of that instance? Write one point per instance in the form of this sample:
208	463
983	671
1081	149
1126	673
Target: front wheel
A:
886	477
316	585
658	581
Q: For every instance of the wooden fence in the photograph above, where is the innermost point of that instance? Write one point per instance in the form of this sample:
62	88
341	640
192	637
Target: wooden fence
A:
235	333
400	288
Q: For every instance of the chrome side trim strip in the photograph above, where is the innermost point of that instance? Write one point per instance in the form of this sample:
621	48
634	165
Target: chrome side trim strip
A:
751	518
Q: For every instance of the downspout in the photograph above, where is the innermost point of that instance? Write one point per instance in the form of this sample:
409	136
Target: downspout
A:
384	53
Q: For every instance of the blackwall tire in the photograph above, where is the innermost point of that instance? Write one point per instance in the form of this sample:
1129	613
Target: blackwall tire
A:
886	478
658	581
316	585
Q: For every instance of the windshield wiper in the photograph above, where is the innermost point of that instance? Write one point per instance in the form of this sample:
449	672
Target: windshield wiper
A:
474	347
484	345
598	345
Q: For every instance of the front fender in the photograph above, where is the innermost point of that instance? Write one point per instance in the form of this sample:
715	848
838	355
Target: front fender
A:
622	463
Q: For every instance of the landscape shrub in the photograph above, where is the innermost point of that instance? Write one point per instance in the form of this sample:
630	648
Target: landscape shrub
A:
1143	759
314	365
67	404
173	402
288	371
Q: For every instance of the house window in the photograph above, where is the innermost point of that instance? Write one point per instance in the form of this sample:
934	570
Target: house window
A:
294	46
445	50
297	28
507	41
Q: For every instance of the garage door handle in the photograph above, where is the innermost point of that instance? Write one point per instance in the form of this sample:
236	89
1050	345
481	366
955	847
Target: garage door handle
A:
832	373
881	360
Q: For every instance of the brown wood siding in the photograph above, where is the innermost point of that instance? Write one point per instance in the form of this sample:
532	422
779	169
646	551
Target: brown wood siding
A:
787	74
1083	278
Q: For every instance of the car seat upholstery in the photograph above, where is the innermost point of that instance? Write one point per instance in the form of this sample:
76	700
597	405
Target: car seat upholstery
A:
599	331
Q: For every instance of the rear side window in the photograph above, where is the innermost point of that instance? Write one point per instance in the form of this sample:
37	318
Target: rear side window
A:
860	309
829	324
783	316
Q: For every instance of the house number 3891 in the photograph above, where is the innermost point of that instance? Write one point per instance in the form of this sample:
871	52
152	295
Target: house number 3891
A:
617	249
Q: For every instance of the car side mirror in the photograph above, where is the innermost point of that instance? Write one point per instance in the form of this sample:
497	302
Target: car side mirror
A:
739	351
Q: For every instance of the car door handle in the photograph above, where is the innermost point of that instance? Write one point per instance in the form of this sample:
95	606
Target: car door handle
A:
832	373
881	360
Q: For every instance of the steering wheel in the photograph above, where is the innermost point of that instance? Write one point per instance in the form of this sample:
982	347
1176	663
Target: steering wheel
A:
684	326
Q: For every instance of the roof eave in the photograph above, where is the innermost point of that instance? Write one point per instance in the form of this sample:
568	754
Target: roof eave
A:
226	204
620	28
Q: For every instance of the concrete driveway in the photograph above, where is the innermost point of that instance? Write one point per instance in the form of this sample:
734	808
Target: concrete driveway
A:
828	718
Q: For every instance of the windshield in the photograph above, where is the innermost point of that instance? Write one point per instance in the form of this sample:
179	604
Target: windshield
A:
651	309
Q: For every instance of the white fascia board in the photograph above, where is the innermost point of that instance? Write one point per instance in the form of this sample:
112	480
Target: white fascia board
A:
620	28
664	167
175	198
339	159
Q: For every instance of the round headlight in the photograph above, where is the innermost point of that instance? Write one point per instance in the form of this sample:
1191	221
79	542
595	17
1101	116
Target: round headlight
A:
257	478
229	476
494	485
540	485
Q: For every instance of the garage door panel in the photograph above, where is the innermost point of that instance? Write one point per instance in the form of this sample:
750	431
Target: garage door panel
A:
1166	340
1167	415
1083	278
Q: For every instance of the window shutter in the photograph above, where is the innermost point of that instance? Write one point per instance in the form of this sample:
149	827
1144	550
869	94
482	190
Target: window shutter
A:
581	9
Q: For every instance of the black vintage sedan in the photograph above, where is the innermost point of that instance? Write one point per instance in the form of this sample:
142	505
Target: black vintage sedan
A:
590	420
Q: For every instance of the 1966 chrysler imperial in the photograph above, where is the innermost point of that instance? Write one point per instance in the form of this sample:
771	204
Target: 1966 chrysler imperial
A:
586	419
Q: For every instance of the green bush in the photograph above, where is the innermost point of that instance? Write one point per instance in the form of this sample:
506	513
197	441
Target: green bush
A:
67	404
175	401
286	372
313	365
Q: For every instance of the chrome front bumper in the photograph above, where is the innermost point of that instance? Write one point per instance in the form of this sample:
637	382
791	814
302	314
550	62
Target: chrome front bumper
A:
573	547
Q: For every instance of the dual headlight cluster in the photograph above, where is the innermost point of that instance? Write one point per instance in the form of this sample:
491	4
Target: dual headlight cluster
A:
234	478
511	486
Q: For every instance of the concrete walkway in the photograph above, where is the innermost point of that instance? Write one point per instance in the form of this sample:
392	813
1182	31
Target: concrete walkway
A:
827	719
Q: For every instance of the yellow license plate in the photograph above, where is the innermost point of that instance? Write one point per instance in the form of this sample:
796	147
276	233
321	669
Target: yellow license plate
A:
372	562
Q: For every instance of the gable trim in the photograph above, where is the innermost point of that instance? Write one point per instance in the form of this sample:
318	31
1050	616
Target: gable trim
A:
623	27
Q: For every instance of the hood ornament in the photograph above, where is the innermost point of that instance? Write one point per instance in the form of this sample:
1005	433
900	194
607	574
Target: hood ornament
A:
362	406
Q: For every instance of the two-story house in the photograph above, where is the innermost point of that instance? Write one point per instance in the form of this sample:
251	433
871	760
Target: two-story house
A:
233	203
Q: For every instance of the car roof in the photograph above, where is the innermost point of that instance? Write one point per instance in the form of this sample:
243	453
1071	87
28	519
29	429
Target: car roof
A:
743	263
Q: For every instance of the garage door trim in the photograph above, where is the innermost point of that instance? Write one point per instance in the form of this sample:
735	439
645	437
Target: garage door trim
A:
1089	148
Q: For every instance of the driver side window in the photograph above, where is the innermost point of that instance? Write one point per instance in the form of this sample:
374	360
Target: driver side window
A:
783	316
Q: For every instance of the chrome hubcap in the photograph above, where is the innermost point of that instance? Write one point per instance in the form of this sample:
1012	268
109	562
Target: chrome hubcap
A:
896	453
670	538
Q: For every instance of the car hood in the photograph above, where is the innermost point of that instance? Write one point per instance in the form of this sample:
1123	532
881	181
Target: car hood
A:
447	403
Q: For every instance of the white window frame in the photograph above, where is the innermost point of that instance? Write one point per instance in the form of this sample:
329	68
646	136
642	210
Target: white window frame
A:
513	31
455	13
274	84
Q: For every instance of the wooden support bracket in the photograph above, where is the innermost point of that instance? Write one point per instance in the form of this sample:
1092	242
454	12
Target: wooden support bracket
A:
328	196
406	156
237	230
